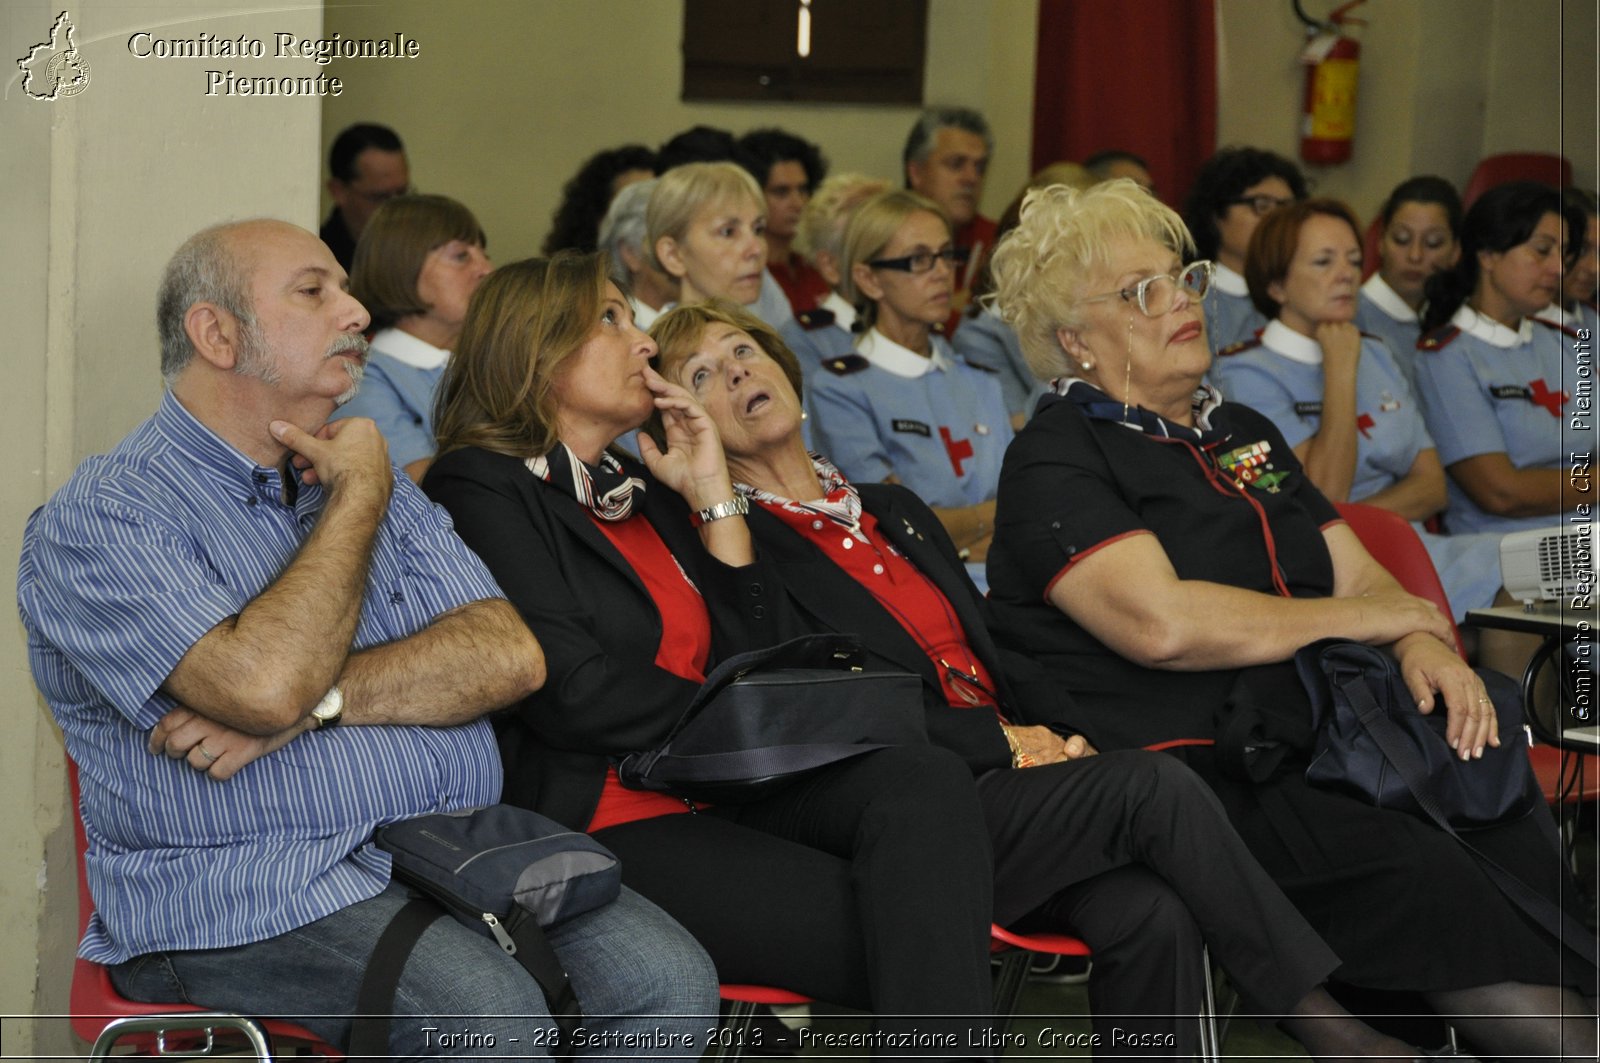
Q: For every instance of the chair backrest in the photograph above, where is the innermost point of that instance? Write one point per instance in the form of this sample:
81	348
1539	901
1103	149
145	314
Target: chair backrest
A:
1394	544
1553	170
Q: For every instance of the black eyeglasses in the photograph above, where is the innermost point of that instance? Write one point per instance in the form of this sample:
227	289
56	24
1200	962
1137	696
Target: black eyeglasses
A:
1260	204
922	261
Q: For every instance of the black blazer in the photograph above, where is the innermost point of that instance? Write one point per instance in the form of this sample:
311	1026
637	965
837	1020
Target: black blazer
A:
599	629
826	598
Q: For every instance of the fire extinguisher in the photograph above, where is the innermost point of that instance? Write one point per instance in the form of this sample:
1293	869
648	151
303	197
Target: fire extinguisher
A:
1333	65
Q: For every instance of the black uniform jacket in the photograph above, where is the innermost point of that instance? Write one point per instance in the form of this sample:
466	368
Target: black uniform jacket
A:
604	696
826	598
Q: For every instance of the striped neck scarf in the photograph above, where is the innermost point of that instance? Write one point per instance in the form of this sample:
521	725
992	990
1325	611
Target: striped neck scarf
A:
605	490
840	503
1098	406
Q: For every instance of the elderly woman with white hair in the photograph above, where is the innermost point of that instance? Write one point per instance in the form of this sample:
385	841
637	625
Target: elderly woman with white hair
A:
623	238
1161	554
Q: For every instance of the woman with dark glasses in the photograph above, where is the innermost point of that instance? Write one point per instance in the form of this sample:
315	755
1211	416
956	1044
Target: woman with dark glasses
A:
1235	189
903	407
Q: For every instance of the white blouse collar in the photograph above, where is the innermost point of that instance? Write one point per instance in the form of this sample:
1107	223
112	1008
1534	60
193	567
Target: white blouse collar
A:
1491	331
844	315
1228	282
1286	341
405	348
1557	315
891	357
1386	299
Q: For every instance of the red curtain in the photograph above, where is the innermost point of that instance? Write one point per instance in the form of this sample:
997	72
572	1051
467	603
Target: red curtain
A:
1134	75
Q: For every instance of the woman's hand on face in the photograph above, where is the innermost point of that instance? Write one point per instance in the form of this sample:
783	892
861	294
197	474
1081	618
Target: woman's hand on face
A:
693	464
1341	345
1432	671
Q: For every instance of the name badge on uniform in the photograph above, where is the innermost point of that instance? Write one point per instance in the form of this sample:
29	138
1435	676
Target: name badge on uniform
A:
1387	403
913	427
1511	391
1308	409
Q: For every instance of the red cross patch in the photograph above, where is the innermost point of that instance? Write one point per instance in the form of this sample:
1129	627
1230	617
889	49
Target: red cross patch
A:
1540	395
1365	424
959	450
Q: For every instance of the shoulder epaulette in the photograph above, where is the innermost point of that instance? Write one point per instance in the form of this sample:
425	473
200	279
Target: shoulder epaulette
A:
1240	347
815	318
1558	326
845	364
1438	338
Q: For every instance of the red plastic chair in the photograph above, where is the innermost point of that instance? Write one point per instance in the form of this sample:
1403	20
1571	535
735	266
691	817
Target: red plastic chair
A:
1015	952
1553	170
734	1034
1394	544
106	1018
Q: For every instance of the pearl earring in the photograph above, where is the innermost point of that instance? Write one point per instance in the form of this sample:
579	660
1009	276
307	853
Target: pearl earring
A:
1086	366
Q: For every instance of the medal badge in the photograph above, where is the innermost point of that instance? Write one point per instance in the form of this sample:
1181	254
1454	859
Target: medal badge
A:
1249	466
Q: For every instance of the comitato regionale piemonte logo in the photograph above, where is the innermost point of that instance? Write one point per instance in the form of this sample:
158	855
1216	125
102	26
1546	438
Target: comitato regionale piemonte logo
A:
55	69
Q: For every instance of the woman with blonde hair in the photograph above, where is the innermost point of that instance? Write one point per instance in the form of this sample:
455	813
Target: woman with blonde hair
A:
417	263
1161	555
829	330
706	226
903	406
866	883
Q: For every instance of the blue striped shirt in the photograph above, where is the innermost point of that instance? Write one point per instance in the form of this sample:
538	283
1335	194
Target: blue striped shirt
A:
142	552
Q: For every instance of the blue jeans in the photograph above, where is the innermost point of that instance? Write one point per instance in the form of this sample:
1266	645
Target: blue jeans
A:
646	987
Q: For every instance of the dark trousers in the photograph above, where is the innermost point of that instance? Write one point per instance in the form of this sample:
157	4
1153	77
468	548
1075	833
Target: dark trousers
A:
867	884
1132	852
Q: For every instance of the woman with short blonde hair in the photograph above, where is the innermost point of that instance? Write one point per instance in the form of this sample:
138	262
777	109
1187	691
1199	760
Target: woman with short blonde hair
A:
707	224
1161	555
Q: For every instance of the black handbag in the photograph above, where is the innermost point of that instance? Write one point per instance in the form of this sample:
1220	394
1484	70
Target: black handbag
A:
769	717
1363	712
1373	743
504	871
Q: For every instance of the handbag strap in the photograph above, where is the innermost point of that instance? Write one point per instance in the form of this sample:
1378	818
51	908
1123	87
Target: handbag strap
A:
369	1031
1399	753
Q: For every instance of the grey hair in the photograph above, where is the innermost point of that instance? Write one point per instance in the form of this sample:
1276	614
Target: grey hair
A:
919	145
206	269
623	226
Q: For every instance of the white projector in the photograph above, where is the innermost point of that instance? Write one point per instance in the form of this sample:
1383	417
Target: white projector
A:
1554	564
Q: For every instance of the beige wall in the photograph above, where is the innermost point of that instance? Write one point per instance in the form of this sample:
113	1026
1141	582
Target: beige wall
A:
509	97
1437	91
95	192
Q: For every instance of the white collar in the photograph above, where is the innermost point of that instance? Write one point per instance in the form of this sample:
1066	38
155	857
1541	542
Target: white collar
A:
1228	282
1386	299
405	348
844	315
891	357
1286	341
1554	314
1491	331
645	315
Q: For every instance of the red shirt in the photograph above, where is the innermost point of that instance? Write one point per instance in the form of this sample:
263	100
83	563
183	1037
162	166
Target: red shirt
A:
977	236
908	595
805	287
685	648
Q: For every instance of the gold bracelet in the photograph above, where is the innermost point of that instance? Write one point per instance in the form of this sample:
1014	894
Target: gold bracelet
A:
1019	758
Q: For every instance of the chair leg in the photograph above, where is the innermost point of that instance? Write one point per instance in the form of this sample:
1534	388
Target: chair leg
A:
160	1025
1008	982
735	1029
1210	1037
